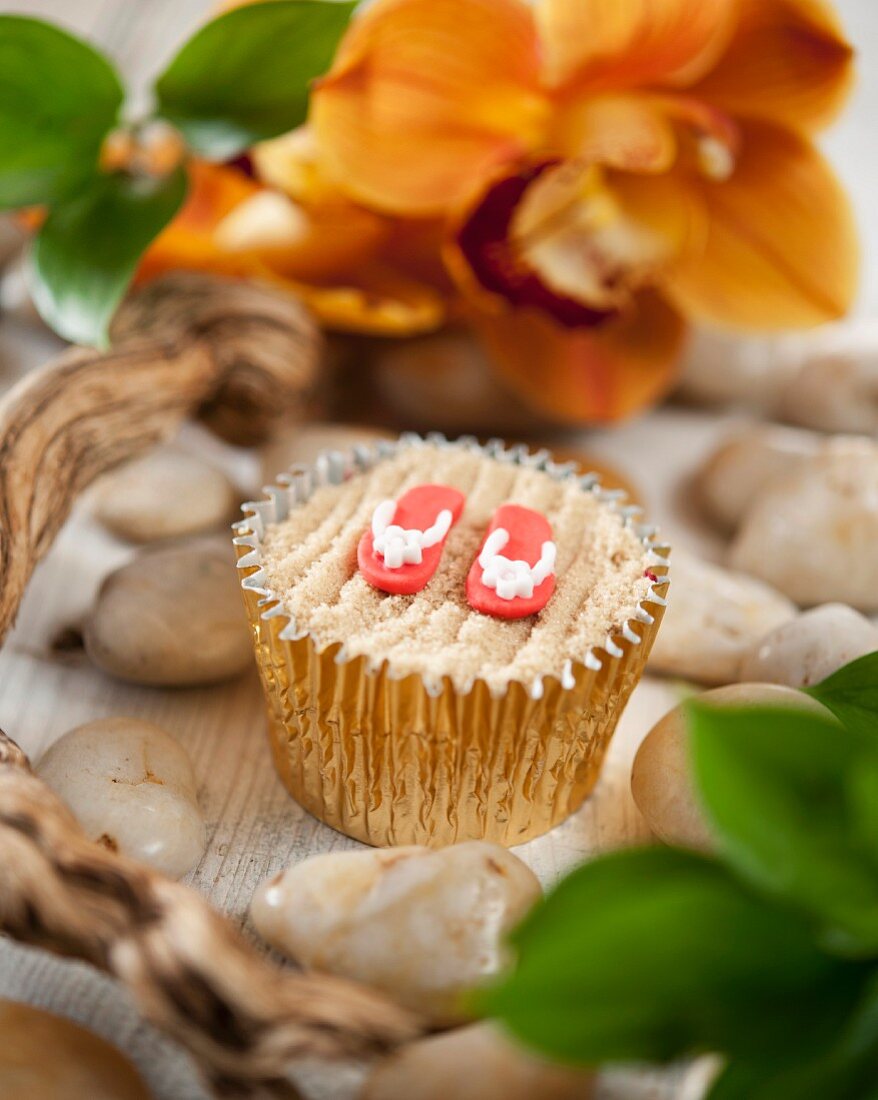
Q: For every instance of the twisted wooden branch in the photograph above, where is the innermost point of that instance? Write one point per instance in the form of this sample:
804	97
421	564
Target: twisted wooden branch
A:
191	973
241	356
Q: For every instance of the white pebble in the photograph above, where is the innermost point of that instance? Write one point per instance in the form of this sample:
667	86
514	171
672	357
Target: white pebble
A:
813	534
810	647
731	370
422	925
825	379
473	1063
836	387
736	472
713	618
661	780
171	617
131	787
167	494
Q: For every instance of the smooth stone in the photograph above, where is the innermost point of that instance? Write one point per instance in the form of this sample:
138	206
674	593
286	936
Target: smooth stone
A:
166	494
304	443
131	787
811	647
825	379
172	617
661	782
713	618
47	1057
473	1063
731	370
836	387
423	925
444	380
740	467
813	534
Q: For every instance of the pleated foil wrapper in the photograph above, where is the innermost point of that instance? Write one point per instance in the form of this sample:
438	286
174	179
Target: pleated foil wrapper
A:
391	760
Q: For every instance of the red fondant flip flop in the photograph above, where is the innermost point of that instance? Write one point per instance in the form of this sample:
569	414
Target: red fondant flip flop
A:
514	573
401	550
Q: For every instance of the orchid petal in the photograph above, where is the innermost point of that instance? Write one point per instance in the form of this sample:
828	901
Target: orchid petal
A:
291	163
425	98
627	43
587	375
571	240
617	130
788	62
489	258
780	250
313	243
189	242
328	254
374	301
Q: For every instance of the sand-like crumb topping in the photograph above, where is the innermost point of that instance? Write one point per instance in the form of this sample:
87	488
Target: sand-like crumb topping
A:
311	565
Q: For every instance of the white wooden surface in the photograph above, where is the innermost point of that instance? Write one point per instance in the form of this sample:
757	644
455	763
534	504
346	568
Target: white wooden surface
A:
255	828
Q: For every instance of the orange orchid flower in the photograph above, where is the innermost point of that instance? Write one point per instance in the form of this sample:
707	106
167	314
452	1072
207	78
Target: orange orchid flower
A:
578	178
333	254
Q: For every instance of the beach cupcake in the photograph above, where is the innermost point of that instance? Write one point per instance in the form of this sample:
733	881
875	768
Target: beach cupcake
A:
446	634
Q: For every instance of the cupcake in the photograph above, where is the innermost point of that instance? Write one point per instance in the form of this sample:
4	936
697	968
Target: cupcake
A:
446	635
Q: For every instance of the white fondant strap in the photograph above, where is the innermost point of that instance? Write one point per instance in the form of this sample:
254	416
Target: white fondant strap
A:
513	578
382	517
494	543
400	546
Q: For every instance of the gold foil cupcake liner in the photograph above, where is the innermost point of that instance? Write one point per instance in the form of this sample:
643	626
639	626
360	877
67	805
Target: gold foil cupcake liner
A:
390	760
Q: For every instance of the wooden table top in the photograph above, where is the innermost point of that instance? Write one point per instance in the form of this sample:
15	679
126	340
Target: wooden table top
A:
255	828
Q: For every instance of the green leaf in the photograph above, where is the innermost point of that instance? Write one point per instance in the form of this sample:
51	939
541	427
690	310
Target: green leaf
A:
846	1070
58	99
862	794
87	251
654	953
809	1079
245	77
852	694
775	785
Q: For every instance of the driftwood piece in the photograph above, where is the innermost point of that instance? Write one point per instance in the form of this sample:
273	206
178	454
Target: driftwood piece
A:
244	1020
240	355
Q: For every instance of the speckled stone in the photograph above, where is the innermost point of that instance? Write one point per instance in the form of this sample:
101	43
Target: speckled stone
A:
735	473
810	647
423	925
131	787
713	618
813	534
